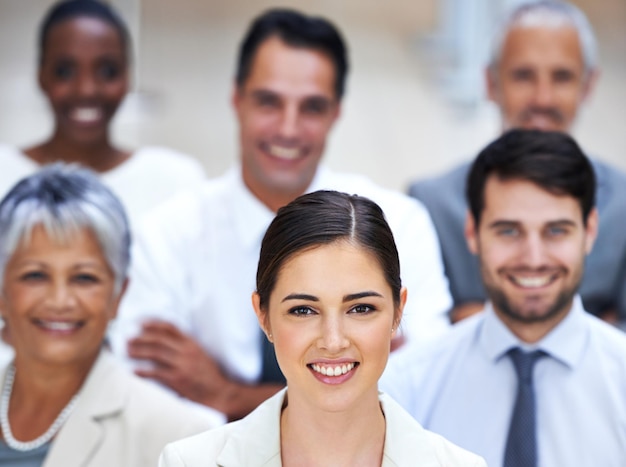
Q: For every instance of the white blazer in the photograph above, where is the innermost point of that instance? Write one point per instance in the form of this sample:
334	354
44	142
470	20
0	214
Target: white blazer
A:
255	441
120	420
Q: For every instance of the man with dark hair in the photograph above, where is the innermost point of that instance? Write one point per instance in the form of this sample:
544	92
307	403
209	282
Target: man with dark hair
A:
534	380
188	310
543	68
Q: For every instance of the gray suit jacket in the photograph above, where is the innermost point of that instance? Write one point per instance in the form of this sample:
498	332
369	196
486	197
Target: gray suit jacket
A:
255	442
120	420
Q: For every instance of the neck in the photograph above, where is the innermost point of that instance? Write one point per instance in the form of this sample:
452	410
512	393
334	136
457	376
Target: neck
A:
100	156
40	392
272	197
533	332
355	436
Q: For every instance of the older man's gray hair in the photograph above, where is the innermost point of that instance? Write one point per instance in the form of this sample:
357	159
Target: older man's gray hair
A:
551	14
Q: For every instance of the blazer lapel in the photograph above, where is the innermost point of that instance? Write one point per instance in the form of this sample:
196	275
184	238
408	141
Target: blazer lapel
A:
255	441
405	439
102	395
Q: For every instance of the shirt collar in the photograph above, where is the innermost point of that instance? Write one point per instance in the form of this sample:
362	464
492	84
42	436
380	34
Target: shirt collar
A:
566	342
252	217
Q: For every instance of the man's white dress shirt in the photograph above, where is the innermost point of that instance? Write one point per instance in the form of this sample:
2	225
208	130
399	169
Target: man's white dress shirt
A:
195	259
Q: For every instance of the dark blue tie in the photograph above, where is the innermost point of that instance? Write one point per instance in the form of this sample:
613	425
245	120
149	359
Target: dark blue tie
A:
521	443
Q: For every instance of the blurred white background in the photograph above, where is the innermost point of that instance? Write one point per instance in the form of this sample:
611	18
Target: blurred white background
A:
414	105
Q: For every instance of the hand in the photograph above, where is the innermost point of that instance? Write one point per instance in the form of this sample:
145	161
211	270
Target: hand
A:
179	363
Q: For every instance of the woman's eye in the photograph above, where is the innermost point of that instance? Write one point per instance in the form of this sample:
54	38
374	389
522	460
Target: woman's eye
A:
362	309
33	276
86	279
63	71
108	71
301	311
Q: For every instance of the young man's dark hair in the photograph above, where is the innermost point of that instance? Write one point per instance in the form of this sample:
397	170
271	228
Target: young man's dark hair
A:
551	160
297	30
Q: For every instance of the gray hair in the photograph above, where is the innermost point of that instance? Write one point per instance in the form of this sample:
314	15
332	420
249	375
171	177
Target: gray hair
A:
63	199
551	14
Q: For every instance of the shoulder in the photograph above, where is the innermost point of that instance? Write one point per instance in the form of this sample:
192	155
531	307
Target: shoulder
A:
605	170
167	160
191	206
144	396
609	340
198	450
253	440
14	165
406	440
398	207
136	400
422	368
452	180
451	455
458	337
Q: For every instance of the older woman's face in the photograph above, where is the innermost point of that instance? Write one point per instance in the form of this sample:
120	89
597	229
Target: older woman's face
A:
57	298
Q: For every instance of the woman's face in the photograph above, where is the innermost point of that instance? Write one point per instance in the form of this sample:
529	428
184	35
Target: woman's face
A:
57	298
84	76
331	317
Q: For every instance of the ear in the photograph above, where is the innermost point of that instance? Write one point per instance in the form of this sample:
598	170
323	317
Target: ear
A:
591	230
3	305
40	80
118	299
337	112
236	97
398	314
590	84
261	316
471	235
491	82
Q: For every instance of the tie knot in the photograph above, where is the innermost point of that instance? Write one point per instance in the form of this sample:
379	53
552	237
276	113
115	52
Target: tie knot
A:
524	362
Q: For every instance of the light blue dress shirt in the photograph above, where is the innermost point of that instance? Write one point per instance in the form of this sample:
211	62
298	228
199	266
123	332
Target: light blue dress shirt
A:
464	387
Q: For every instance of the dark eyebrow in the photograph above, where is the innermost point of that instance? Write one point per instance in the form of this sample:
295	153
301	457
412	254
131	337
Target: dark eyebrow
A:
568	222
503	223
264	93
359	295
301	296
346	298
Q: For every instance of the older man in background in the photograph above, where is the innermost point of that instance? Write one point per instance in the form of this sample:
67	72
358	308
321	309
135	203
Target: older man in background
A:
543	68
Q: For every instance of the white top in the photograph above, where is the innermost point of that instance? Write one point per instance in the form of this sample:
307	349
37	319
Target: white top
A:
195	260
464	388
255	441
147	179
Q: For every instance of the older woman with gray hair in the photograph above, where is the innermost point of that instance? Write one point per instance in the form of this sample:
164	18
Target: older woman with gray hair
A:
64	254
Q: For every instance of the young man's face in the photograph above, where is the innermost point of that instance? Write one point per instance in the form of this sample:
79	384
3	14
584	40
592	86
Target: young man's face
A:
540	81
285	108
532	246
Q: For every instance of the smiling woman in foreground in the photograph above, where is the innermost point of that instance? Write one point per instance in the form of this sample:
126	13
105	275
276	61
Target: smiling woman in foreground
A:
64	244
329	297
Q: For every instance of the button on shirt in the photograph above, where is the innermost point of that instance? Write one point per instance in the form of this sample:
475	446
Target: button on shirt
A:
195	259
464	388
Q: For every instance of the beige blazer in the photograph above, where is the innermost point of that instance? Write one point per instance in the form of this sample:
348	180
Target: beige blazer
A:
255	442
121	420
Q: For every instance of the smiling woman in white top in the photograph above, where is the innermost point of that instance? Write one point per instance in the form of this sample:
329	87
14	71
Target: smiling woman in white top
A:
330	299
84	57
